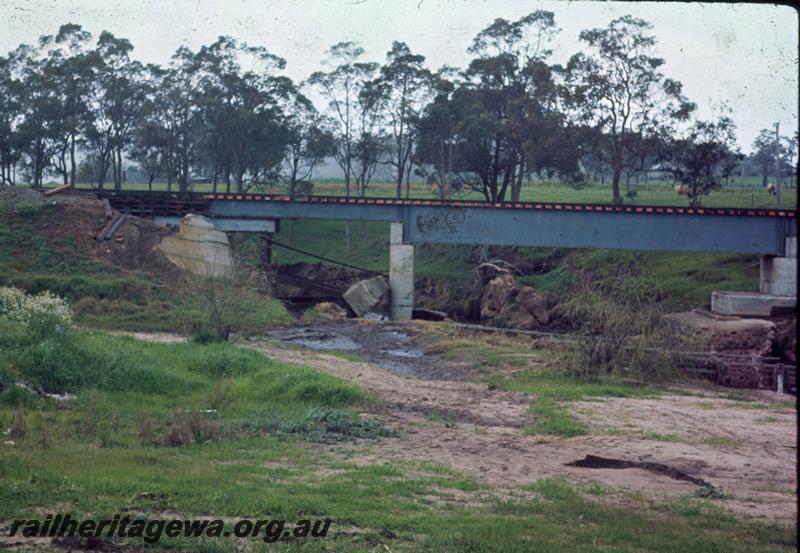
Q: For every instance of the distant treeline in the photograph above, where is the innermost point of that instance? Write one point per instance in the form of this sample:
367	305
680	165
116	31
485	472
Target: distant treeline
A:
79	108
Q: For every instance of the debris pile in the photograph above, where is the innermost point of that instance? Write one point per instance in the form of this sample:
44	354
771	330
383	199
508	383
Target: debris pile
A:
505	301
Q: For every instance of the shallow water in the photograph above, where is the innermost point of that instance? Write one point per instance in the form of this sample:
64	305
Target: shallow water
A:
392	348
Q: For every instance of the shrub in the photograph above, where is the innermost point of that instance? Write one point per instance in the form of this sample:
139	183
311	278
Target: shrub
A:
188	428
219	361
70	361
324	424
19	426
17	395
27	210
620	336
206	336
313	388
18	306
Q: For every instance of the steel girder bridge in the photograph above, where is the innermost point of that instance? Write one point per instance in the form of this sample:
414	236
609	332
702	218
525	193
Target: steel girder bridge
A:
568	225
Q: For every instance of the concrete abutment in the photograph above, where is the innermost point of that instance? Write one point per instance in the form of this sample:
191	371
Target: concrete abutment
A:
777	292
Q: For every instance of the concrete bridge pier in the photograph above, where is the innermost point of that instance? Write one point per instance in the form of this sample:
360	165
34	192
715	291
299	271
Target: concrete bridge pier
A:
401	275
777	288
779	274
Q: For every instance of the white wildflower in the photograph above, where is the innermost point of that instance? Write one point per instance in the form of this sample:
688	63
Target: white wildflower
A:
16	305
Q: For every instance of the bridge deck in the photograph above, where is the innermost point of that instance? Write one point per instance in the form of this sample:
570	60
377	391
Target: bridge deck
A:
665	228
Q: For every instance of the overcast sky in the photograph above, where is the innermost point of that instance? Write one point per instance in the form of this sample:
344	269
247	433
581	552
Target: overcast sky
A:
742	54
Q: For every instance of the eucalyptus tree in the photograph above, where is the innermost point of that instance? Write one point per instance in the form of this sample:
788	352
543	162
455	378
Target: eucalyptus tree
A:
151	139
42	107
704	156
507	112
348	90
39	130
619	89
115	103
767	151
370	141
66	67
180	116
11	112
308	143
404	87
437	149
241	111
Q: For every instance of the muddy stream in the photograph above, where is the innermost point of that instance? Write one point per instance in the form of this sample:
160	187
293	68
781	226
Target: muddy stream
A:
390	346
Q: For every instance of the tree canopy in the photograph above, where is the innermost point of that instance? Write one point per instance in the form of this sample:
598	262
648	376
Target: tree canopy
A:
77	107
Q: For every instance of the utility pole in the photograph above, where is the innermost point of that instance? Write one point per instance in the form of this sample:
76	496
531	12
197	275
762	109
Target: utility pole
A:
778	165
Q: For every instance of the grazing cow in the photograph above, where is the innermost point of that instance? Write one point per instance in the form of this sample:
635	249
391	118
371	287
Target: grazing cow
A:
681	190
771	188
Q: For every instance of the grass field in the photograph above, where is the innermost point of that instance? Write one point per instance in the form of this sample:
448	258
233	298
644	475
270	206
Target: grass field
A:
217	431
750	195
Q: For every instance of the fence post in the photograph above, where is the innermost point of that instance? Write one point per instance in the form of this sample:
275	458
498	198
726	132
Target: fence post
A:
780	378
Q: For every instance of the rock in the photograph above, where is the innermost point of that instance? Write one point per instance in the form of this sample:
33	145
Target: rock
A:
365	294
9	443
495	296
199	248
731	335
314	279
527	310
328	311
517	306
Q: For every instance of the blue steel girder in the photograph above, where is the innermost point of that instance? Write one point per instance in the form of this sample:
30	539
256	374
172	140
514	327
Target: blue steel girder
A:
691	232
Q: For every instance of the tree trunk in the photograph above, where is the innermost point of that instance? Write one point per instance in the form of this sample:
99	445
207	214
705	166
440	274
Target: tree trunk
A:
114	170
119	166
72	171
400	175
214	182
347	239
408	181
516	184
615	178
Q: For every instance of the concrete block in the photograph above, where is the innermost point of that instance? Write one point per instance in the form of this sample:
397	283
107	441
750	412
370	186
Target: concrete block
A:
365	294
401	281
396	233
791	247
750	304
199	248
779	276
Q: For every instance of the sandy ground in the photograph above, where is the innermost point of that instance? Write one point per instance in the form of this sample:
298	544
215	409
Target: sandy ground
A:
746	448
748	452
